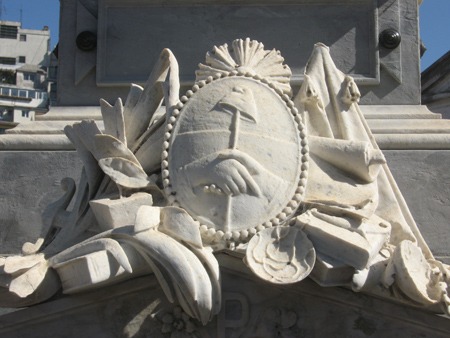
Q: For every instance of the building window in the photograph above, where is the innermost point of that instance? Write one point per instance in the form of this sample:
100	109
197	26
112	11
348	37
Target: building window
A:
23	37
32	94
9	116
25	113
8	32
22	59
8	61
14	92
5	91
22	93
29	77
7	76
6	114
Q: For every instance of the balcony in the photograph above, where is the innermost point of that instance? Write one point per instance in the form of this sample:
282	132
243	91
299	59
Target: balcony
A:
24	97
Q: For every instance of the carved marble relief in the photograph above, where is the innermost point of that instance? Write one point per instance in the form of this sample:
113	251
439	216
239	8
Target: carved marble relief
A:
296	187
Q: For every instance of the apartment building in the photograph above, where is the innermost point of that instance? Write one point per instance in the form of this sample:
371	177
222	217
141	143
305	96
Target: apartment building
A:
24	66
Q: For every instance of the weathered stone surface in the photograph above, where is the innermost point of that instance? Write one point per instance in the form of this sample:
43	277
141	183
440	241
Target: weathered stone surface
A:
356	214
349	189
423	177
242	166
30	181
251	308
386	76
435	86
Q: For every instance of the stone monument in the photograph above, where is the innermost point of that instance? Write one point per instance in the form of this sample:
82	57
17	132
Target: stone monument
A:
257	204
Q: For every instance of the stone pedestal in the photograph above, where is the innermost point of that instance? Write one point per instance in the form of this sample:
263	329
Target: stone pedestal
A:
35	156
386	74
251	308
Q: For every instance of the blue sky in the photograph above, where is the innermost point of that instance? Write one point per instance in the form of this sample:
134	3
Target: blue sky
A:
434	29
434	22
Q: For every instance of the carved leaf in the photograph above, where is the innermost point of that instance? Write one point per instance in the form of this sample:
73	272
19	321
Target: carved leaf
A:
212	268
109	146
138	112
133	129
113	119
160	272
110	245
93	172
86	131
25	284
178	224
186	271
147	217
18	264
31	282
124	172
32	286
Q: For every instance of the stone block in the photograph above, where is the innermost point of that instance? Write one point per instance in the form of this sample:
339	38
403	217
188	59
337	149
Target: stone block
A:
30	181
251	308
386	76
116	212
423	178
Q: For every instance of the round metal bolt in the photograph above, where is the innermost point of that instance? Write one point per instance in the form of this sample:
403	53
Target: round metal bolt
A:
390	38
86	41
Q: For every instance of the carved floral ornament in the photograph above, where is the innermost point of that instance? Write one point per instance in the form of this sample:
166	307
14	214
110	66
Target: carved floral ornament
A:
297	188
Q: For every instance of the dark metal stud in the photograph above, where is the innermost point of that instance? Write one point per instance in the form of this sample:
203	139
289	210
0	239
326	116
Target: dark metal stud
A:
390	38
86	41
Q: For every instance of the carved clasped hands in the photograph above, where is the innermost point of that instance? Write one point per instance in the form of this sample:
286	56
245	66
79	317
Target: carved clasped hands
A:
228	172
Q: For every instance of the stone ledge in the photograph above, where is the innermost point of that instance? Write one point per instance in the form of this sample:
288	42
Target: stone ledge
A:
394	127
70	113
413	141
409	126
135	308
35	142
390	112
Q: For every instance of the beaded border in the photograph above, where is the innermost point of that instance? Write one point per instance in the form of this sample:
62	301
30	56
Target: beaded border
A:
293	204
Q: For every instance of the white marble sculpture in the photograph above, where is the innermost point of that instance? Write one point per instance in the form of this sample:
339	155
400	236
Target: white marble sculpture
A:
296	188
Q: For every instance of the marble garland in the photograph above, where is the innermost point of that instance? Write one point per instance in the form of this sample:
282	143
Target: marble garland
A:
297	188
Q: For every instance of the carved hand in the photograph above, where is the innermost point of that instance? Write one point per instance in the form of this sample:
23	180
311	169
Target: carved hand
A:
230	172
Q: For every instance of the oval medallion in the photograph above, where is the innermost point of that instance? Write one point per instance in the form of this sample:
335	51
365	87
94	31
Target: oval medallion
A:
234	155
